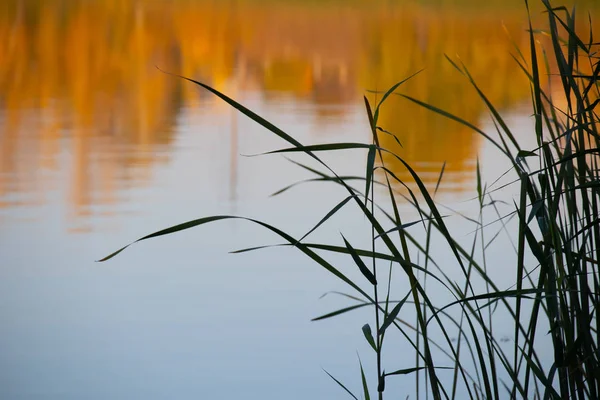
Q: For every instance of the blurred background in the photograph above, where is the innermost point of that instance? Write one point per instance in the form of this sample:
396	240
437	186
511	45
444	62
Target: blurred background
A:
99	147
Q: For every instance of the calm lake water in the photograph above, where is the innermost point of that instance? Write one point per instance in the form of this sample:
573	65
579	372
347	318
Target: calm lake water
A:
98	147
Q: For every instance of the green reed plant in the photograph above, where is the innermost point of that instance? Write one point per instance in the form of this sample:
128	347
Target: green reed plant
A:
554	221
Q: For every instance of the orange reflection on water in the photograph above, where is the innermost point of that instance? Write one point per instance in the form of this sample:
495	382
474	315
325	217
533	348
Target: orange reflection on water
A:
79	77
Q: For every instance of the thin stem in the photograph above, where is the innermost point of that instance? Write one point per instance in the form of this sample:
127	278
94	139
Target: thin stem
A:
380	379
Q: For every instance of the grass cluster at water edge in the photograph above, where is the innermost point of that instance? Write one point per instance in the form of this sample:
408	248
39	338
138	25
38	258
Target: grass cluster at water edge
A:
553	223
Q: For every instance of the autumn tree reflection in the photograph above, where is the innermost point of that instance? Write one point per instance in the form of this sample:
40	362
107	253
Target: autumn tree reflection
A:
79	76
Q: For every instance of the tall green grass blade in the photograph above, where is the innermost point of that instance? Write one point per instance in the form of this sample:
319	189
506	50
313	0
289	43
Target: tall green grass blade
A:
359	262
520	266
389	318
537	98
366	394
482	364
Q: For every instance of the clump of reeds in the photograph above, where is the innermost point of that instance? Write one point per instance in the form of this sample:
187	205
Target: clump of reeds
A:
557	233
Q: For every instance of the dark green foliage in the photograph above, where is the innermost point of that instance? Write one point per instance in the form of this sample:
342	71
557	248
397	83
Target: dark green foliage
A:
556	228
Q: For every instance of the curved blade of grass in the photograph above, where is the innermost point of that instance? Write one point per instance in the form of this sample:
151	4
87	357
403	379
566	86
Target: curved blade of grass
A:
380	129
374	222
407	371
334	249
453	64
493	110
168	231
404	226
341	385
438	217
481	357
352	308
572	34
328	215
389	92
443	229
381	256
364	381
439	180
389	173
522	293
340	312
318	147
325	179
306	167
389	318
191	224
457	119
247	112
550	391
268	125
254	248
349	296
360	263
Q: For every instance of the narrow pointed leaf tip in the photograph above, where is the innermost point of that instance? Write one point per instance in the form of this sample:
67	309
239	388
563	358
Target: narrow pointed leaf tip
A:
369	336
168	231
366	394
341	385
405	371
369	173
389	319
108	257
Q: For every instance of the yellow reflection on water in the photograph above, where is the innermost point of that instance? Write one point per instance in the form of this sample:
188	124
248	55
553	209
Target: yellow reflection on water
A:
79	76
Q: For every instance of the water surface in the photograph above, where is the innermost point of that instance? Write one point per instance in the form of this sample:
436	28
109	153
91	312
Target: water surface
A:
99	147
